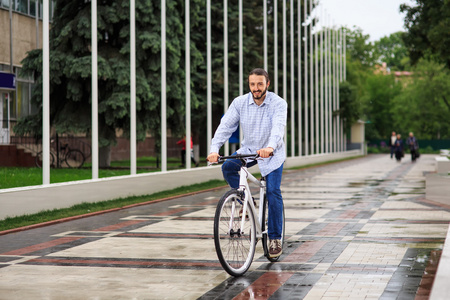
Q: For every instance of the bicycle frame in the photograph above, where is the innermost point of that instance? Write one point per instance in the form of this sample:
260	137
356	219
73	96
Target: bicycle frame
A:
245	176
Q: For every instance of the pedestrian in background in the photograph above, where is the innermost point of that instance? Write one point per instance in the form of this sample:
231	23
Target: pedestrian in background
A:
413	146
182	142
392	143
399	148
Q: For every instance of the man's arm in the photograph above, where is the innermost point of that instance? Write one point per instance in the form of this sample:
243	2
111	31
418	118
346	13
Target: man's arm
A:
278	125
228	125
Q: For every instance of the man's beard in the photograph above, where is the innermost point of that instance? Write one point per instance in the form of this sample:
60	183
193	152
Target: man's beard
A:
262	95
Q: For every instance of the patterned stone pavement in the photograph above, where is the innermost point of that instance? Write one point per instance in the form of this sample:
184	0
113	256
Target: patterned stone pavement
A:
359	229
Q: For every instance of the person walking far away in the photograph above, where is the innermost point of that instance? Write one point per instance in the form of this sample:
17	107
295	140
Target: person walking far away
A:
262	116
413	146
399	148
392	143
182	142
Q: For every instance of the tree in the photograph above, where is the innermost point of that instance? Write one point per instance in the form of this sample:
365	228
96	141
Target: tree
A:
349	108
70	69
427	30
391	50
377	101
423	107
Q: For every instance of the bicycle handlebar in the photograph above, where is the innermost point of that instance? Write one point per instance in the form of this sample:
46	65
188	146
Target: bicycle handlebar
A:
238	156
253	156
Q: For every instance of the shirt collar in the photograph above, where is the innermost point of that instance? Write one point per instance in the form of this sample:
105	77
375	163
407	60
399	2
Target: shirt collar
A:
267	100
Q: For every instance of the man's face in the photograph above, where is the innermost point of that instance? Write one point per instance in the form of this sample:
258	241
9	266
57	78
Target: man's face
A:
258	86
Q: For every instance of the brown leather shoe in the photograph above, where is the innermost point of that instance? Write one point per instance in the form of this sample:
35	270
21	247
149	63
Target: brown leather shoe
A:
275	248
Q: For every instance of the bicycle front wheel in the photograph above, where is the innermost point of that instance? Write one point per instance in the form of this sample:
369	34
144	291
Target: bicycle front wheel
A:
265	236
235	245
74	158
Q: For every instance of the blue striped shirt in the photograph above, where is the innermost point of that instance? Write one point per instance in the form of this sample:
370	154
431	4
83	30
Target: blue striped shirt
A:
262	126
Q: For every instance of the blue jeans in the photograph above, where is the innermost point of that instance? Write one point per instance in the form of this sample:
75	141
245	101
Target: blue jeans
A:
230	170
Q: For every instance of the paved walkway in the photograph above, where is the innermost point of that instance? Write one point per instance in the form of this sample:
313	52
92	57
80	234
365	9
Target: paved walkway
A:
360	229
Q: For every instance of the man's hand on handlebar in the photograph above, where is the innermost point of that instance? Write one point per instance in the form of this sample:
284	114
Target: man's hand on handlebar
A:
213	157
265	152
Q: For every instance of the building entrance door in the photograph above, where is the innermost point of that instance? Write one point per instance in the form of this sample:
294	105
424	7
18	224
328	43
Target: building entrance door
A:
4	117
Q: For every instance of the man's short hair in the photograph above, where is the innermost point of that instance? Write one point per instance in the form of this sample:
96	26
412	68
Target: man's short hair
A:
260	72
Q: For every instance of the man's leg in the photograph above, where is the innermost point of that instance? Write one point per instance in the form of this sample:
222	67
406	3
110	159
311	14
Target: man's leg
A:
230	171
275	220
275	200
183	157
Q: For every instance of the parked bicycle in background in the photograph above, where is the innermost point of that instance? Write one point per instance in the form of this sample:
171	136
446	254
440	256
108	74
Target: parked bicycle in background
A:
62	153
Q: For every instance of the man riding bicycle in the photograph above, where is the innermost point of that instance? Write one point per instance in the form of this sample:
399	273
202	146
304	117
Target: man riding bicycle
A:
262	116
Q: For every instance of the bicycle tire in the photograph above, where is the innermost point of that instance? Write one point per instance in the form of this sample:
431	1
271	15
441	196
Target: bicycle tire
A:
74	158
235	250
264	227
38	160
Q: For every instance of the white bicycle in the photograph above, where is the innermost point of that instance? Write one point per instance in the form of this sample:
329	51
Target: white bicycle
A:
236	227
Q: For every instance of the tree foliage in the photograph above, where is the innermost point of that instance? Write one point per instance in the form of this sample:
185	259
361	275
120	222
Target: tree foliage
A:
428	33
392	51
380	91
423	106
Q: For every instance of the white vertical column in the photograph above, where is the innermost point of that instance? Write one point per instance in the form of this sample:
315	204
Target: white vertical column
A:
285	65
292	82
340	79
322	125
305	61
326	75
330	87
45	95
345	56
94	130
187	59
275	46
225	67
335	132
241	53
209	75
299	75
163	89
344	49
265	35
317	89
241	61
132	87
338	118
311	78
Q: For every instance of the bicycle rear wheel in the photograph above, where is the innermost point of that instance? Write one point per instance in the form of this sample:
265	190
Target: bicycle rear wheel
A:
74	158
265	236
235	246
